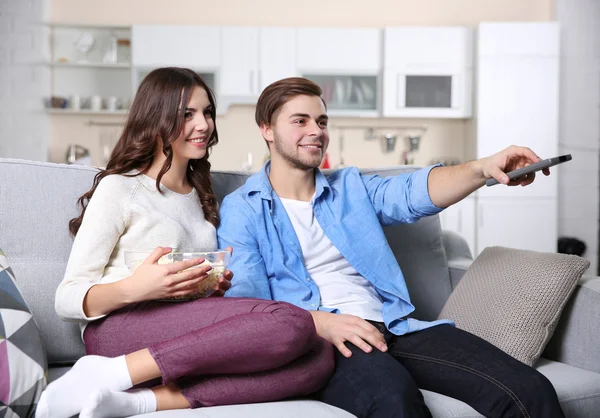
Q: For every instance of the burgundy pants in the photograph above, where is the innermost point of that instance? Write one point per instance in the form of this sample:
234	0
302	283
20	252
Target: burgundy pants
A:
221	351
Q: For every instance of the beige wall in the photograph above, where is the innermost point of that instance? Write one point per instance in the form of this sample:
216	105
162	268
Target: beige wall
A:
300	13
239	135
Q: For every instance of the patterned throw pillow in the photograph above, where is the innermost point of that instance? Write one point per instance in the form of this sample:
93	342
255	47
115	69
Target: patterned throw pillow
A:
23	365
514	298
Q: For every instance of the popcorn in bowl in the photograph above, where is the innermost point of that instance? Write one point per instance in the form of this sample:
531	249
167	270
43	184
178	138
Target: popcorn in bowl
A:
219	261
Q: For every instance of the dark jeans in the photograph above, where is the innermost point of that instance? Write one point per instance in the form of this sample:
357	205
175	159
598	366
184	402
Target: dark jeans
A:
441	359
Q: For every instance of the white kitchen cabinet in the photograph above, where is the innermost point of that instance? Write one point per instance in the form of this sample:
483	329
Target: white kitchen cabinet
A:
239	64
194	47
460	218
277	58
346	64
428	72
253	58
197	47
518	96
523	223
339	51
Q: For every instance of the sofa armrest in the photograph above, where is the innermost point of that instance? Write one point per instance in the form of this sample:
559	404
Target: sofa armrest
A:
576	340
458	255
457	270
455	245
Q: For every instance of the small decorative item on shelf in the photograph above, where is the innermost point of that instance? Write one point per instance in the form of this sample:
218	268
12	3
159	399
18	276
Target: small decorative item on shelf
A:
110	52
55	102
83	45
75	102
113	103
96	103
123	50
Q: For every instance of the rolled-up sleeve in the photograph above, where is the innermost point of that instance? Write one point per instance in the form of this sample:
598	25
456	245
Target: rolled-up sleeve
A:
401	199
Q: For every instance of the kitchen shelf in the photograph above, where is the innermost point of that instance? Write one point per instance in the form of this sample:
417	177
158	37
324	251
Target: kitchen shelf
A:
88	112
91	65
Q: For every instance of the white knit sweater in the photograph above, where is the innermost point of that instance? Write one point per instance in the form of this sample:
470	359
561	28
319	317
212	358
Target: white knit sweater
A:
128	214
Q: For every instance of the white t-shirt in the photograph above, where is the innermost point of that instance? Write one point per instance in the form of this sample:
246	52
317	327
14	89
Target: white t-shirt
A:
128	214
340	285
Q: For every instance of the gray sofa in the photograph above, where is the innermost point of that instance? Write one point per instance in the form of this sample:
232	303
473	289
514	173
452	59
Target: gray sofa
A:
38	199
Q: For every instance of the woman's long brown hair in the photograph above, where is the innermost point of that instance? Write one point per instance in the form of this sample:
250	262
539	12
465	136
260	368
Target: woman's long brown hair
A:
157	114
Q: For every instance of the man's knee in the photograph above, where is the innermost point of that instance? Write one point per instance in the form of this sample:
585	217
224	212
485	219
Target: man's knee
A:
532	394
374	385
535	389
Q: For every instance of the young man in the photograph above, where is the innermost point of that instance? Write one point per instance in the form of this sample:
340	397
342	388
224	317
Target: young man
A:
318	243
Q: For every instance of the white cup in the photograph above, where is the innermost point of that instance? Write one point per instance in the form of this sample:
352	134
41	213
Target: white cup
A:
113	103
75	102
96	103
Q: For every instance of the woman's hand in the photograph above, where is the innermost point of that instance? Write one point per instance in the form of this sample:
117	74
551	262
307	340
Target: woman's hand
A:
153	281
224	283
224	280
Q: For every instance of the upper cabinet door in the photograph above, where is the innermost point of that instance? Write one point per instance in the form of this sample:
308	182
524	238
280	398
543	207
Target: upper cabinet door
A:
277	55
197	47
339	51
239	65
428	72
444	49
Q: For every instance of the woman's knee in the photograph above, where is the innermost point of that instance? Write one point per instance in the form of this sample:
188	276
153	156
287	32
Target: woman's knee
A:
324	362
300	326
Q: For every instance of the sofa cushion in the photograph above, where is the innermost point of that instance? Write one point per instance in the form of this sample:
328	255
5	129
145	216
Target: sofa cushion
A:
514	298
287	409
22	357
578	390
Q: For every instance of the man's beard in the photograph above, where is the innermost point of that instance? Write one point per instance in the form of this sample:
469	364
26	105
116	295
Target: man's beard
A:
294	160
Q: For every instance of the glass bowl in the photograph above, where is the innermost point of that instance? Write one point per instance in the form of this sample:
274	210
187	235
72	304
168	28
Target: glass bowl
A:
219	260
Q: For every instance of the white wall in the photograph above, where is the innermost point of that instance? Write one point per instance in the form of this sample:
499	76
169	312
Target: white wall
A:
24	80
580	122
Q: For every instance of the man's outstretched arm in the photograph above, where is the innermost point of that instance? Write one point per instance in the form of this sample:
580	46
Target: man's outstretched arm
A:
448	185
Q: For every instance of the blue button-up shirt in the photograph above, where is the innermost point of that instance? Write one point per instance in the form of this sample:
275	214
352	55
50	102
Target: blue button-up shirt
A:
351	208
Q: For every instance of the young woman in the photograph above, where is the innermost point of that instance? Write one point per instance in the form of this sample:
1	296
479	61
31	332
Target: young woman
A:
156	191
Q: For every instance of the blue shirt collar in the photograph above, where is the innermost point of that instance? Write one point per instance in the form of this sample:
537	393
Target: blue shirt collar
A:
259	183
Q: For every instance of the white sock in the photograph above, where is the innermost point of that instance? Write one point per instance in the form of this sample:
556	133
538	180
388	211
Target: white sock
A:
111	404
65	397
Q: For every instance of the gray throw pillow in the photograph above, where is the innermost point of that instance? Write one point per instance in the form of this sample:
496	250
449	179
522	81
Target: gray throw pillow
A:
514	298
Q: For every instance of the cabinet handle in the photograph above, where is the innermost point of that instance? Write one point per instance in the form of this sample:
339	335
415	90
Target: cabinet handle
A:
258	81
460	220
480	217
251	81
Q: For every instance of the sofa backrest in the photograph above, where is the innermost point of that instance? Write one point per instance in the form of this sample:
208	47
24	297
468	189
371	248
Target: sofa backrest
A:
38	199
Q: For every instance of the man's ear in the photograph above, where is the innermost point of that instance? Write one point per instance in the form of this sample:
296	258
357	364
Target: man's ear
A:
267	132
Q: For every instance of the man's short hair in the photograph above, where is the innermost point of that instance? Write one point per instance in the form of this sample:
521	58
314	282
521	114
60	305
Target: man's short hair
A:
279	93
